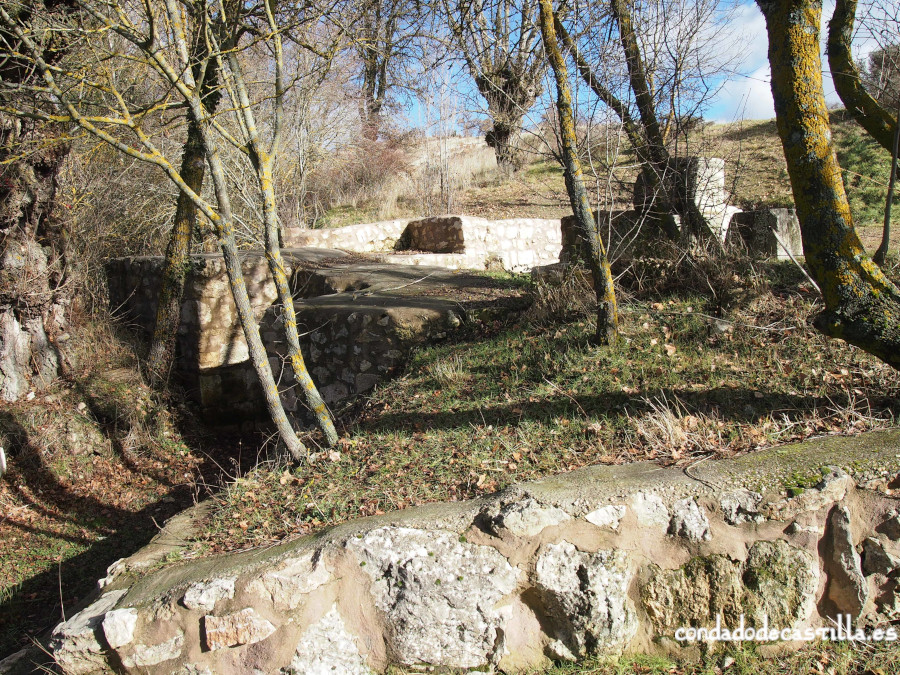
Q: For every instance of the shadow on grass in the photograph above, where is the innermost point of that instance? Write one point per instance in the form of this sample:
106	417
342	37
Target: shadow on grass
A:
728	404
28	609
100	532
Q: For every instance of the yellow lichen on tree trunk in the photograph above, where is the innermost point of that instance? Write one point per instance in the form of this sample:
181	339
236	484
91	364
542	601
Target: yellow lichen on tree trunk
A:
607	311
862	306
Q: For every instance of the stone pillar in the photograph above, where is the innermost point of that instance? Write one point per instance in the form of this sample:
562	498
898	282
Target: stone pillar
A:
700	180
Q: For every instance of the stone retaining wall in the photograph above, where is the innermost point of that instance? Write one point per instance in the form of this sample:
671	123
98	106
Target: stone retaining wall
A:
452	241
601	560
362	238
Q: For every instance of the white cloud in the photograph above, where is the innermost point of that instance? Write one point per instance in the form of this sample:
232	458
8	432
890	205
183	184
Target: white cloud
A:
747	93
745	97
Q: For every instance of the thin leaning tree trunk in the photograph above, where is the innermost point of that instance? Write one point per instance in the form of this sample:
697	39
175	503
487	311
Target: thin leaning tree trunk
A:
607	311
864	108
177	260
633	131
882	251
263	163
694	225
258	357
313	398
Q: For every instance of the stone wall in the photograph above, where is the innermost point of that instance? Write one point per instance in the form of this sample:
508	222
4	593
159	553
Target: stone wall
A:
362	238
768	233
601	560
212	353
352	344
210	334
700	180
357	323
451	241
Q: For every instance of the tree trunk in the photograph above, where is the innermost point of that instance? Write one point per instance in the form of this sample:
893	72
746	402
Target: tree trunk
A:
503	138
276	266
607	312
868	112
177	262
861	305
249	324
33	298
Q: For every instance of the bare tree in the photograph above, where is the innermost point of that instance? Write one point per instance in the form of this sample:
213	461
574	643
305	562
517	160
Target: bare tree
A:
152	38
653	63
500	43
388	37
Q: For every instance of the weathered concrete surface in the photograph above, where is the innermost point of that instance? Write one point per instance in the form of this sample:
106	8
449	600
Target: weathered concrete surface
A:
768	232
599	560
700	180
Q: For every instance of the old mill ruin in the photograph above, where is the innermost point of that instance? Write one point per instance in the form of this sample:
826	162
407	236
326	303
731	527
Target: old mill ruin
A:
371	292
605	559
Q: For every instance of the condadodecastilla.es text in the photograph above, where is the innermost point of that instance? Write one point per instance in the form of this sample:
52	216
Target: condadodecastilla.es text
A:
841	631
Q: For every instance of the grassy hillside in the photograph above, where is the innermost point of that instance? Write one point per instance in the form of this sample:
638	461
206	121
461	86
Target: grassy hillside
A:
718	359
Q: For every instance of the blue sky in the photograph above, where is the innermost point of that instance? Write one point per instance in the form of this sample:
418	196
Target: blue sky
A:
747	94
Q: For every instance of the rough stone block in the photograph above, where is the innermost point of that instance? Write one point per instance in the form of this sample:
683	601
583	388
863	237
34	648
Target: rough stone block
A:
204	595
768	233
437	592
587	595
232	630
75	643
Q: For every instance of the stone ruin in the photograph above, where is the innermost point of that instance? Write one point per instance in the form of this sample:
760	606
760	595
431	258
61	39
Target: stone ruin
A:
602	560
359	319
763	233
451	241
605	560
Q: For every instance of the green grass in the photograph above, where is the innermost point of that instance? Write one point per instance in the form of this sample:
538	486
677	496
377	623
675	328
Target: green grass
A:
866	172
513	402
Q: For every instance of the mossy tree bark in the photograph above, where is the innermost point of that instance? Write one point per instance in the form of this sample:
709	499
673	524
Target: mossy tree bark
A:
224	225
871	115
263	160
34	296
607	312
177	260
861	305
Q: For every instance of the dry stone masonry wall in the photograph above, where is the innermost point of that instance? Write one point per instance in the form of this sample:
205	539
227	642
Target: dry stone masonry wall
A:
602	560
